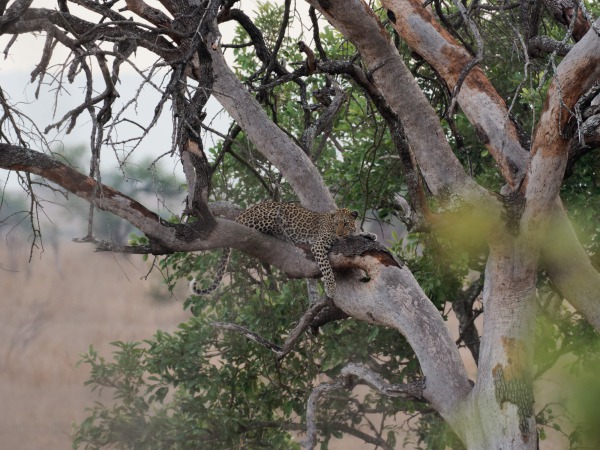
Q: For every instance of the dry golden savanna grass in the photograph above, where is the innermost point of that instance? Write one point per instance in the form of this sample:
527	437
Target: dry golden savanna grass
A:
52	309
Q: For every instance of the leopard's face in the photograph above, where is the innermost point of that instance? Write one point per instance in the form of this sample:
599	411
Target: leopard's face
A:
344	222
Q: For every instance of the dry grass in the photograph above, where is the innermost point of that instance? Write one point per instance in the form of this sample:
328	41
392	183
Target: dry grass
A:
52	310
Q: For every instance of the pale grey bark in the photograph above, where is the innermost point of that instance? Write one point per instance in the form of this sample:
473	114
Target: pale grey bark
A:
267	137
570	268
429	335
506	349
394	298
167	237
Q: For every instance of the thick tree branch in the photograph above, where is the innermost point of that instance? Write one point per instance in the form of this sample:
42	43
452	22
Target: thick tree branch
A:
441	169
268	138
569	14
393	298
478	99
575	75
388	299
13	13
570	268
539	45
108	199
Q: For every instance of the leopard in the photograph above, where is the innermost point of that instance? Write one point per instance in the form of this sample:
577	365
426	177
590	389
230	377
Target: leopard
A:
298	225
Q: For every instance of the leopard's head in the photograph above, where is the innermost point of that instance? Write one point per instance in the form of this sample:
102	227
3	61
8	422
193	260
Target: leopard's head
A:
344	222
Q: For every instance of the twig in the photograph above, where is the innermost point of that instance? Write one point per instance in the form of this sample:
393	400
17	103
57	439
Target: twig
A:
311	412
292	339
249	334
303	324
316	36
470	64
412	391
324	121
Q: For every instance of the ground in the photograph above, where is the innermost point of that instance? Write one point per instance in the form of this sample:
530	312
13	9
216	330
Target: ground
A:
52	310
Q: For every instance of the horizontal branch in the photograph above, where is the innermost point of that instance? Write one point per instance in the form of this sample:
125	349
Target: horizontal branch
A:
539	45
22	159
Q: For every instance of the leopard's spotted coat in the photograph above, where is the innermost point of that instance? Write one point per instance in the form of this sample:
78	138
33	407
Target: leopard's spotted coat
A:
298	225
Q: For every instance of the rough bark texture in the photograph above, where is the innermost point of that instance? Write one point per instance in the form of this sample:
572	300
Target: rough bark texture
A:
576	73
269	139
477	97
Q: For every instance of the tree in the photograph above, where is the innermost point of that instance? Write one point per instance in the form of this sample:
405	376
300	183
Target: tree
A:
412	101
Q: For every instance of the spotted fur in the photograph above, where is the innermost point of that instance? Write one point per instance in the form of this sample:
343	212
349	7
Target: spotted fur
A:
298	225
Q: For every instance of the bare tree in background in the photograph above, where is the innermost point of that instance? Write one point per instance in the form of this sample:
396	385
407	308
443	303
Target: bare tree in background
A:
524	224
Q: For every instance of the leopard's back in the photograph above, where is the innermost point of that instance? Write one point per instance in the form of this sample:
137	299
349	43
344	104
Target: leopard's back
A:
298	224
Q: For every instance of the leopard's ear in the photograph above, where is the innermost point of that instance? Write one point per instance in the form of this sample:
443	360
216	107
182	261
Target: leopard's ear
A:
354	214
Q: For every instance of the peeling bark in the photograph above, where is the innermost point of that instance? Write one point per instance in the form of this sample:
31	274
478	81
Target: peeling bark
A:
502	146
484	108
575	75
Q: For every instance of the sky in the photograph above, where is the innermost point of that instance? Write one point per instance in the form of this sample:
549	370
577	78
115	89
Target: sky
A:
18	62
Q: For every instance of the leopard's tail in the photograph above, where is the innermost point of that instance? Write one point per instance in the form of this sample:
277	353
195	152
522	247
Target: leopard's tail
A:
220	272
